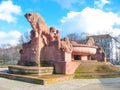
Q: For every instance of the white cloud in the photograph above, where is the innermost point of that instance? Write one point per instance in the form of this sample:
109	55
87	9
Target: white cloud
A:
67	3
90	20
10	37
100	3
8	10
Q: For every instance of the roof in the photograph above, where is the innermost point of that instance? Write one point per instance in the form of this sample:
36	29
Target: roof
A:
104	36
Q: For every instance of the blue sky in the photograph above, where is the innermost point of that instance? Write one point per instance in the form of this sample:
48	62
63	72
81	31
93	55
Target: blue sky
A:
69	16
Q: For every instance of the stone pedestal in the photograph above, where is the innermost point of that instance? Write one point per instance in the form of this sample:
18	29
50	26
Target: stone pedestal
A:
30	70
29	53
84	58
63	67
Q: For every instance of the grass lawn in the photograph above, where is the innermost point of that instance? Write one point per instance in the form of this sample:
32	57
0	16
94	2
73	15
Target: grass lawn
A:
96	70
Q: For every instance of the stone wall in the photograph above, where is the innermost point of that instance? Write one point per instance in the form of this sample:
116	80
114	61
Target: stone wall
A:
29	53
51	53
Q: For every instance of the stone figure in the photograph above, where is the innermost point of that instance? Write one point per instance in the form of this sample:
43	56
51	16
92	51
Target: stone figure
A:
38	24
100	55
57	37
52	34
53	37
90	41
66	45
32	34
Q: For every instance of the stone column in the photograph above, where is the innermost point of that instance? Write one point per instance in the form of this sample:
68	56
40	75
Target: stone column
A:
84	58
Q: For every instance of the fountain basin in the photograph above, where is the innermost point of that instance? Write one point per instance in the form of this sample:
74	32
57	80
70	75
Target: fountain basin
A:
82	49
83	52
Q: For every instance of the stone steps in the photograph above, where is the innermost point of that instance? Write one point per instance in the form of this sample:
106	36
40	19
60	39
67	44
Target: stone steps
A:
30	70
89	62
42	79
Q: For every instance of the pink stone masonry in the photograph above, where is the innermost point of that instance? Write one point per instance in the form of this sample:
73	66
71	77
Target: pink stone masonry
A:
47	46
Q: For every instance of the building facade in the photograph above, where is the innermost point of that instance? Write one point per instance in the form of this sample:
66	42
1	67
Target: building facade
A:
110	46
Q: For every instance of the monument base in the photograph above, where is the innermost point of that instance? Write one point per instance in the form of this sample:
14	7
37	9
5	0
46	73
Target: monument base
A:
42	79
30	70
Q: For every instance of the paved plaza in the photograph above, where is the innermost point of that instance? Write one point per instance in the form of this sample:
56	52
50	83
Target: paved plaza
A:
75	84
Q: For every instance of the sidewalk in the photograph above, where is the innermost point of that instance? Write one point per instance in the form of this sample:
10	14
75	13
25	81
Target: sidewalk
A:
75	84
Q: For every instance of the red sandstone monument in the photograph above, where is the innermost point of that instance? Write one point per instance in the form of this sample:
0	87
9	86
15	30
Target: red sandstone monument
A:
46	48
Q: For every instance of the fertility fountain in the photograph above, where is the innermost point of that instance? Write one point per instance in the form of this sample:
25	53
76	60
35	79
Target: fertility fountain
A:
46	52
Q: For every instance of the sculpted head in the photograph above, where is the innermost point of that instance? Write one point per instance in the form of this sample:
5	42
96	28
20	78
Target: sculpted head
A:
28	16
33	17
37	23
52	29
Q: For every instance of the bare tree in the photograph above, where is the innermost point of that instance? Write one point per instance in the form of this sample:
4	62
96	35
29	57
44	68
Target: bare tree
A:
77	36
73	36
25	38
10	54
